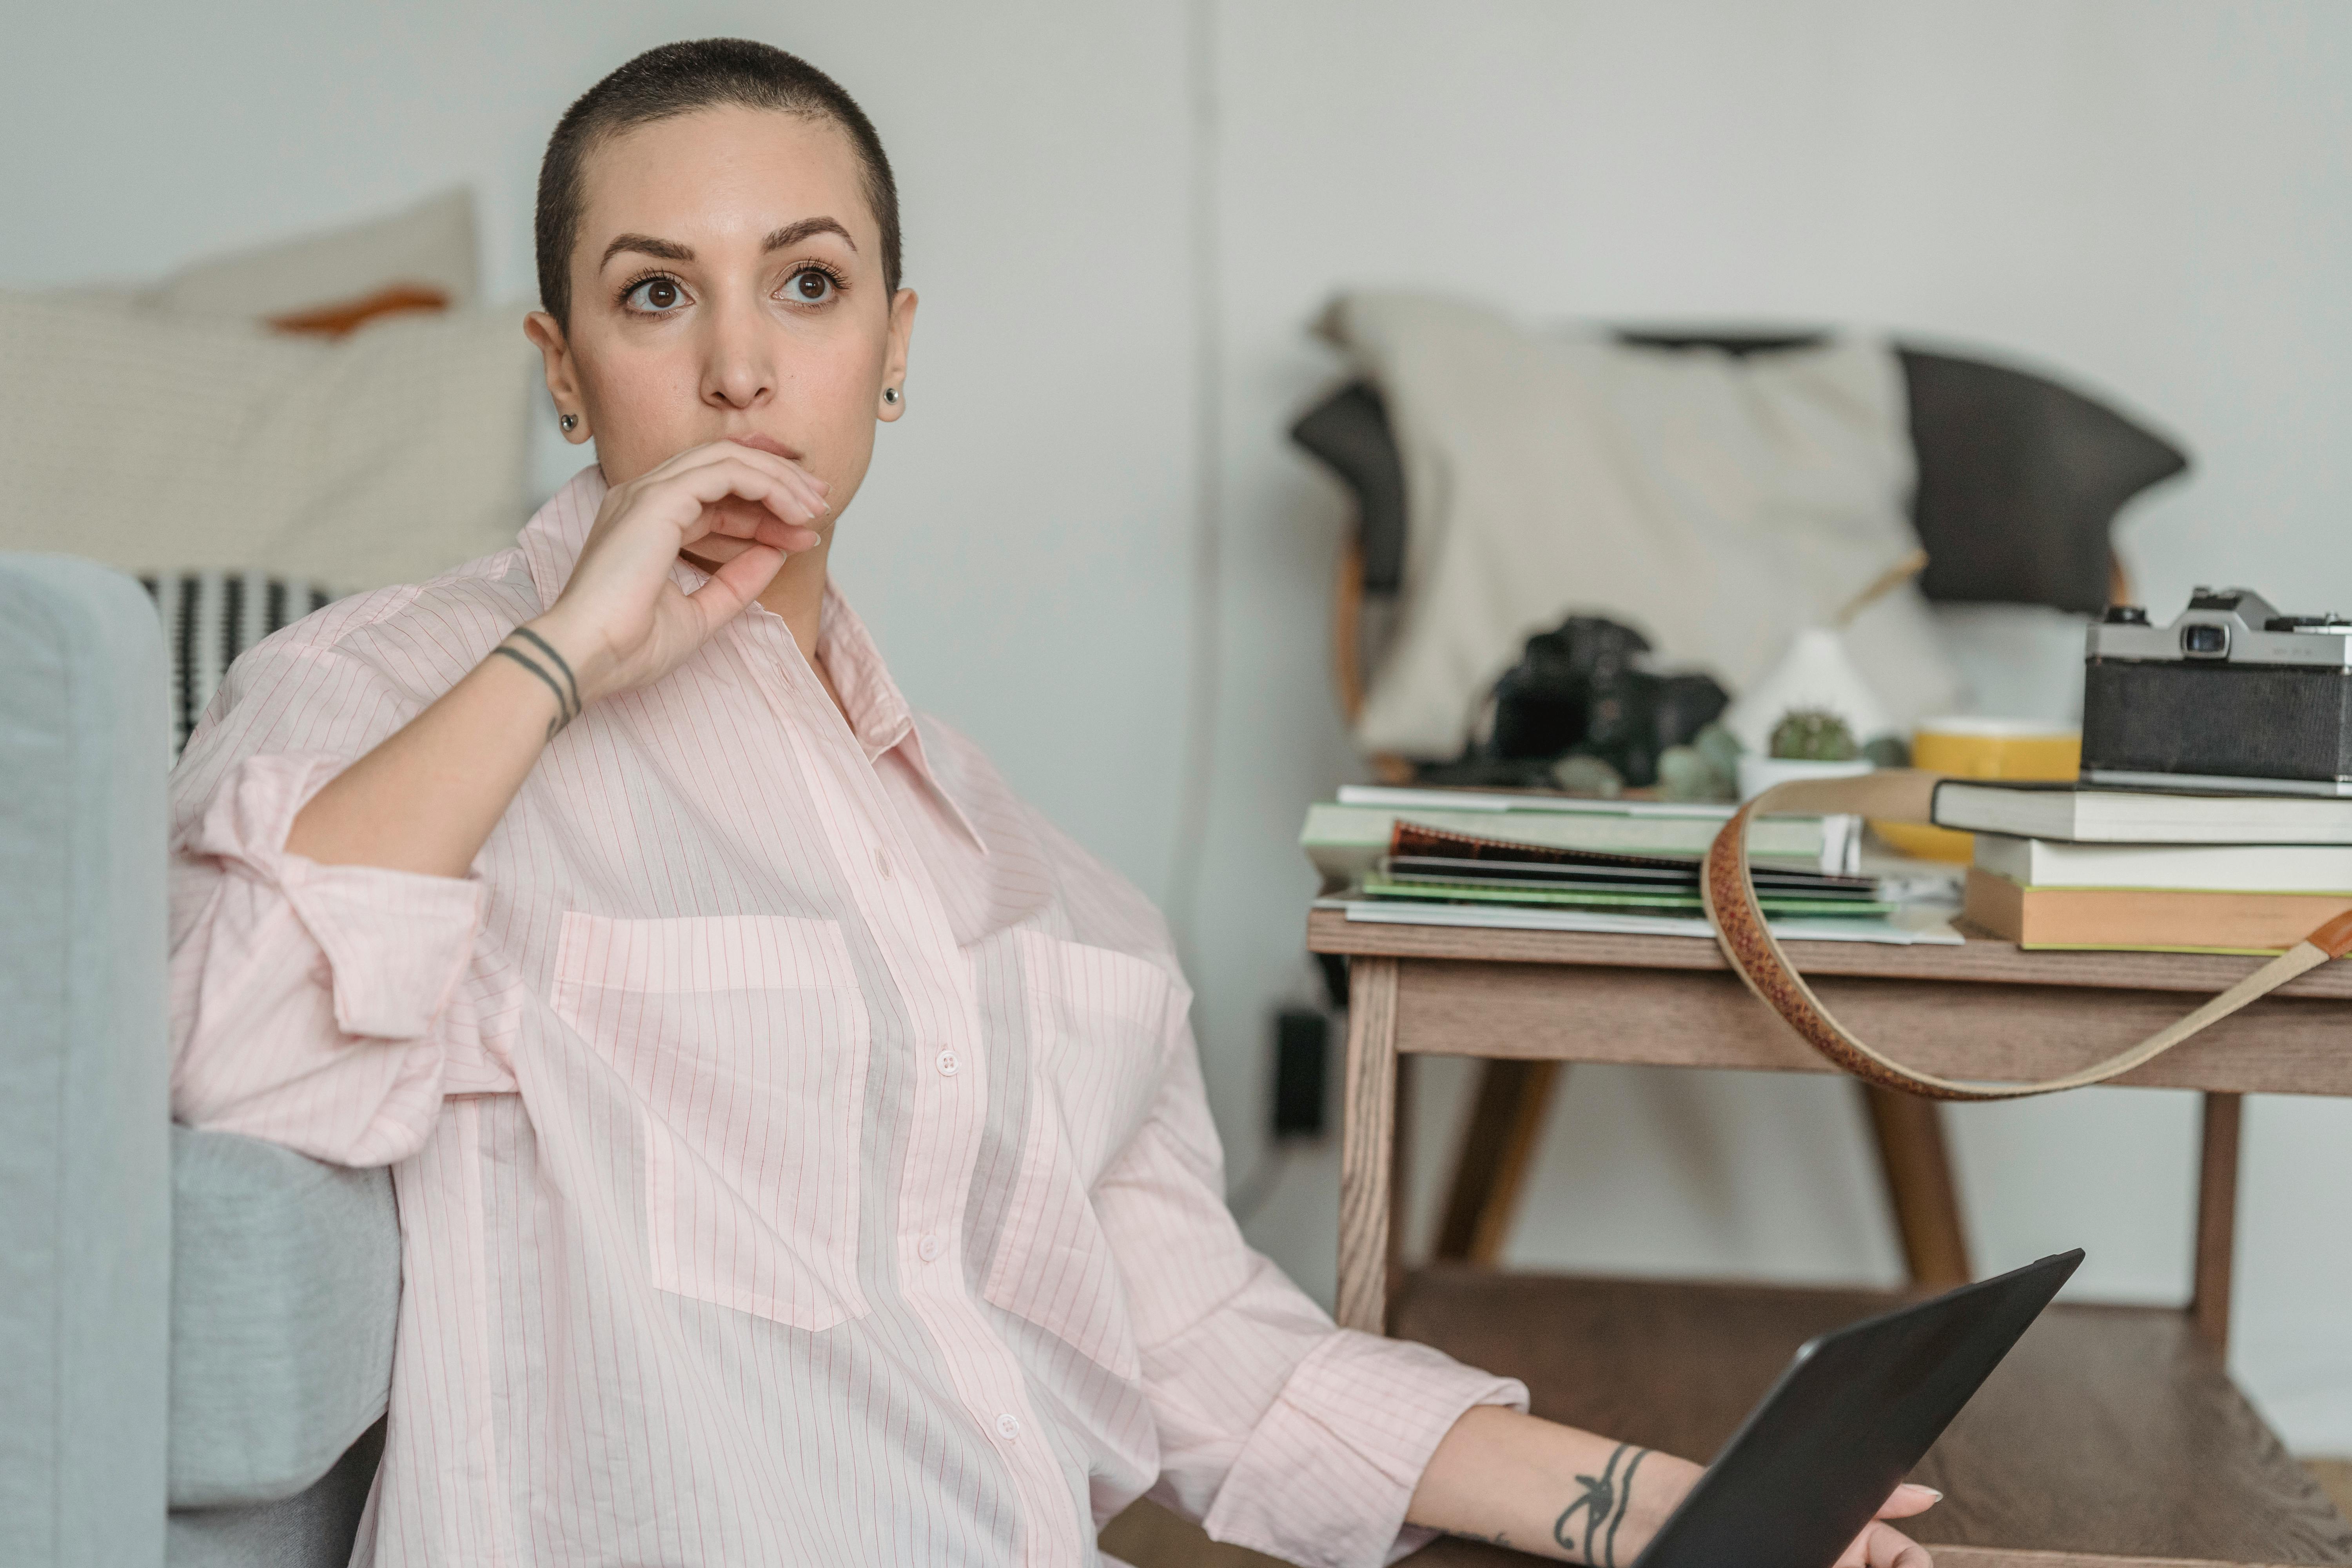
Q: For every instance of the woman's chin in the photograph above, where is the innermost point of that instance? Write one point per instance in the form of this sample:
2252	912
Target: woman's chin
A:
707	554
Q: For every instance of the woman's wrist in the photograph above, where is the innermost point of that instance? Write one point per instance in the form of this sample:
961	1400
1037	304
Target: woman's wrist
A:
1516	1481
1614	1513
524	649
577	658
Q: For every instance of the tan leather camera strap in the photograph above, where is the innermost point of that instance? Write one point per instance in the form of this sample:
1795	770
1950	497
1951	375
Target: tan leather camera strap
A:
1907	795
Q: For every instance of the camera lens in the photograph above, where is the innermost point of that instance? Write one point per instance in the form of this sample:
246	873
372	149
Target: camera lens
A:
2205	641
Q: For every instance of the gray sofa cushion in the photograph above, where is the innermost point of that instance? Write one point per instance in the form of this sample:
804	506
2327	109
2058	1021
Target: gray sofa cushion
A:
285	1290
85	1185
313	1528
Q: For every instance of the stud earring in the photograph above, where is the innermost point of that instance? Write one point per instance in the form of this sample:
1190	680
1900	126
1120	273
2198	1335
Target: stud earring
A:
889	395
571	423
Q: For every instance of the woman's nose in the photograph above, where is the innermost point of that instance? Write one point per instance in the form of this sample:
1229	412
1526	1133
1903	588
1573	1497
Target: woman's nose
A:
738	369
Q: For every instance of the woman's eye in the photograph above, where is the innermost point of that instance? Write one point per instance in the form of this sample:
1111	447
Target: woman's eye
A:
808	287
654	296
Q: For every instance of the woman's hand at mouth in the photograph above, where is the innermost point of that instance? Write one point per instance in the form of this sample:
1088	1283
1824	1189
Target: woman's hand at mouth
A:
620	620
426	798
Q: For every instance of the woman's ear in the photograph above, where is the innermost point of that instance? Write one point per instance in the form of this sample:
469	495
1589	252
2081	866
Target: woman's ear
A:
893	401
555	354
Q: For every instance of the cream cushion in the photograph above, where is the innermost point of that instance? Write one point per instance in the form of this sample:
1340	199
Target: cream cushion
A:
431	243
147	441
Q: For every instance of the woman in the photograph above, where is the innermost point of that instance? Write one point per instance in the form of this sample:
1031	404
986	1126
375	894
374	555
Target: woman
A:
799	1147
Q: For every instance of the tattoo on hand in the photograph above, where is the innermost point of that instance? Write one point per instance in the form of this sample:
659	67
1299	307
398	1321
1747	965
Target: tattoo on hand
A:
1604	1505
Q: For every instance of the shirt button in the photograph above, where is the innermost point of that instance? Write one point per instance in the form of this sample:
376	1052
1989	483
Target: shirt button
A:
948	1062
928	1248
882	864
1008	1427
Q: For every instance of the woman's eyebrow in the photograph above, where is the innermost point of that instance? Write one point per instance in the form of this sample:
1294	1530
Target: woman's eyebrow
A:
794	233
665	249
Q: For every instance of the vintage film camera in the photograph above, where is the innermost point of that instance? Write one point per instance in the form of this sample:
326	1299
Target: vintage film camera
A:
2232	696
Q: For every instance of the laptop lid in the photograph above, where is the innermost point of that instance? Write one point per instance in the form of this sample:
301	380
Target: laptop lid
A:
1856	1410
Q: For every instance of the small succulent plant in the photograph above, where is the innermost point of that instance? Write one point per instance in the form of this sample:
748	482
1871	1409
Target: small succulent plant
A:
1721	748
1588	777
1813	735
1707	769
1684	774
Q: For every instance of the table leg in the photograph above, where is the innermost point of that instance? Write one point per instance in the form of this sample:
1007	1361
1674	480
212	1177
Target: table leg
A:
1498	1151
1918	1165
2217	1219
1367	1144
1401	1174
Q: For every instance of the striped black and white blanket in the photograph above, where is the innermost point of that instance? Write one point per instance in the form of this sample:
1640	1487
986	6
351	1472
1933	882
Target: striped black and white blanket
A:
209	618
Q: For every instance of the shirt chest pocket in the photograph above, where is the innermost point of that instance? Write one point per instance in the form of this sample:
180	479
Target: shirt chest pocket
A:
1097	1037
743	1040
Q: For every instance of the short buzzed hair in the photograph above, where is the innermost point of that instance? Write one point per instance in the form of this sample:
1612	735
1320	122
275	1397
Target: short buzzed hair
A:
679	78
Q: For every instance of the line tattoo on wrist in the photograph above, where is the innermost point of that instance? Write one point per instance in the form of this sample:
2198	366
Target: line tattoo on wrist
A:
561	663
566	709
1600	1508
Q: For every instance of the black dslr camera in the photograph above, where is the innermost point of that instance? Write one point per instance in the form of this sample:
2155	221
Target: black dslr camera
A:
2232	696
1581	690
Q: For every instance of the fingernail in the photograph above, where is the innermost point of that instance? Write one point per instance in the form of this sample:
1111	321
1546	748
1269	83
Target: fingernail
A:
1931	1491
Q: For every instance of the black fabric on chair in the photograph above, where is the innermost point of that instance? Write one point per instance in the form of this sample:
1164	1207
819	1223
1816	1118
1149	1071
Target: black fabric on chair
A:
1349	431
2019	478
1738	345
2019	481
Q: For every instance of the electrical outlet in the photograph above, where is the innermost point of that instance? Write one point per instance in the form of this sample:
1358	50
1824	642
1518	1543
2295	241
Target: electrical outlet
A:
1302	1054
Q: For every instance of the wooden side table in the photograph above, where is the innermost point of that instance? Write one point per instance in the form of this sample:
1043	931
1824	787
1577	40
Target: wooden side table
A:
2113	1435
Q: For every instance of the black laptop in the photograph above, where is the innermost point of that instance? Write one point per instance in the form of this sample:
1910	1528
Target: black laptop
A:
1848	1420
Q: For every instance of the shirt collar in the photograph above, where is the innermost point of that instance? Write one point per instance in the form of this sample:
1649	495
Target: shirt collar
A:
878	715
551	540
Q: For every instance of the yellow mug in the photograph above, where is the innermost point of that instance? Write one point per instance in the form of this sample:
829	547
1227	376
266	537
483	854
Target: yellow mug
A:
1973	748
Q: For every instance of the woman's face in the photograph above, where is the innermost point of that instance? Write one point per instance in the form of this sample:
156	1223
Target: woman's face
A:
728	283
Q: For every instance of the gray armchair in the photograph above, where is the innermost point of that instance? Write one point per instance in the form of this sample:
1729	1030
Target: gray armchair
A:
196	1329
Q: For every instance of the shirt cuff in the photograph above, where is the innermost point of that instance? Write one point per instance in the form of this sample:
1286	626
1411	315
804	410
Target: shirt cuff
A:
397	943
1325	1478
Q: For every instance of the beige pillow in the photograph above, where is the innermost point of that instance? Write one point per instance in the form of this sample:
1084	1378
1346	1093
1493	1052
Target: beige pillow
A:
151	442
430	245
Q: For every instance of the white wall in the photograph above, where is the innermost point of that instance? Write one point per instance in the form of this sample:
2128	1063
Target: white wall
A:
2152	196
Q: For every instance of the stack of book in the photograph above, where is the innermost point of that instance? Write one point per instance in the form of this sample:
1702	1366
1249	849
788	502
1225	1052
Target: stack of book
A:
1465	857
2074	868
1343	839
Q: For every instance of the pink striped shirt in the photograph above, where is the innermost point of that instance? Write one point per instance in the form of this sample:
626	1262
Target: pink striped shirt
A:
801	1147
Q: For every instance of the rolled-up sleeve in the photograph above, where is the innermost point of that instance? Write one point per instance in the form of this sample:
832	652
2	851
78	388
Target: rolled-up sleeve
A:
328	1008
1279	1431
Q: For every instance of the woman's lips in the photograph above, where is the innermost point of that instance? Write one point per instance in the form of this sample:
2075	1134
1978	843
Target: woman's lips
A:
768	444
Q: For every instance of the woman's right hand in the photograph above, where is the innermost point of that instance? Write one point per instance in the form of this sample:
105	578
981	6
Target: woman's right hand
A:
426	798
620	620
